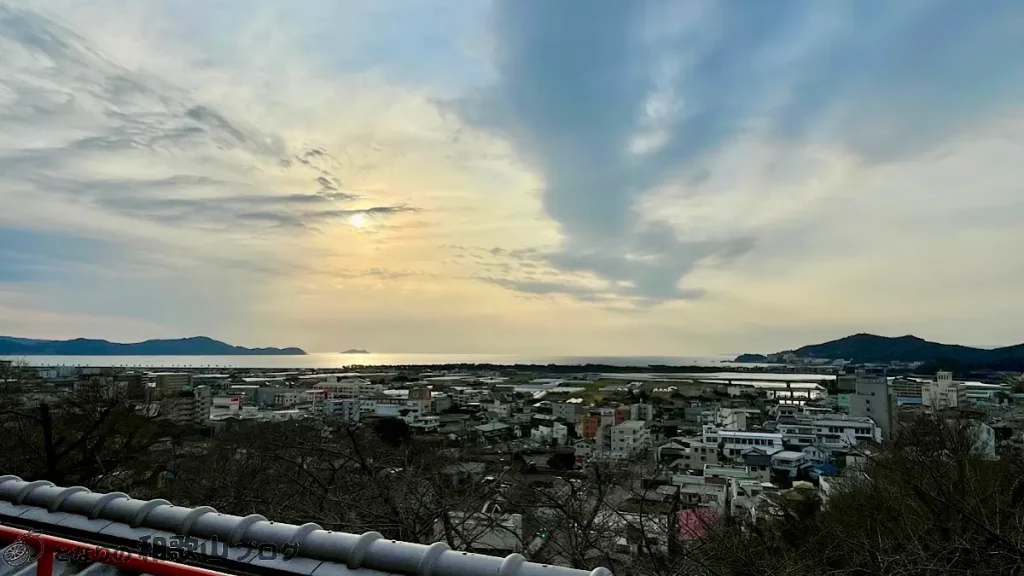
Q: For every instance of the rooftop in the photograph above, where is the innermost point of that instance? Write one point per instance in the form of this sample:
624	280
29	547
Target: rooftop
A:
118	520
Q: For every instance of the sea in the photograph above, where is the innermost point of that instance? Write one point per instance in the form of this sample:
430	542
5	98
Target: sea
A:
336	360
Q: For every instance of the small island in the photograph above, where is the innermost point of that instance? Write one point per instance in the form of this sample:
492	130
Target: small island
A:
751	358
356	351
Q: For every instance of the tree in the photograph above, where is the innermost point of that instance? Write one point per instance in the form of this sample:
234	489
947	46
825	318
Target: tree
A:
393	431
79	437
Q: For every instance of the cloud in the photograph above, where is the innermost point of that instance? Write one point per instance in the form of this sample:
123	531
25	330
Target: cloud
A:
731	174
611	103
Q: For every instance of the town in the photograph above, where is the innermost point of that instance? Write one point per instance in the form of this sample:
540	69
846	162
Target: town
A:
681	451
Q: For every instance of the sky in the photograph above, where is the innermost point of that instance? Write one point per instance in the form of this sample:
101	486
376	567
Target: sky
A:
579	177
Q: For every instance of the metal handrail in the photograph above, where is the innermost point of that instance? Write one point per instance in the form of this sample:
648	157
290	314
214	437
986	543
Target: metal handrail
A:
48	548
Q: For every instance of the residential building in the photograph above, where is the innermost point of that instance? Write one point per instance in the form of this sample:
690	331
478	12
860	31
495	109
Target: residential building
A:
687	454
185	406
873	399
844	432
440	402
545	435
567	410
628	438
171	383
700	491
407	413
591	424
344	409
735	442
733	418
493	430
502	409
789	462
583	449
761	474
614	416
644	412
425	425
463	396
349	387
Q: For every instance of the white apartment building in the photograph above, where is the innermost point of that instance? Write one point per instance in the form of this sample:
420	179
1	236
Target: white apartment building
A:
735	442
463	396
568	410
834	431
349	388
545	434
842	433
628	438
734	418
643	412
345	409
944	393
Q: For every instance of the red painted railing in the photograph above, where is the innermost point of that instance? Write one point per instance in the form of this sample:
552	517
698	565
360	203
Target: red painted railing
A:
47	548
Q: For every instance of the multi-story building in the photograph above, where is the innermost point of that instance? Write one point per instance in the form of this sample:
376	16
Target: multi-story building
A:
733	418
643	412
735	442
698	491
687	453
944	393
345	409
440	402
591	423
502	409
315	396
842	433
873	399
557	433
185	406
349	387
566	410
614	416
287	398
628	438
463	396
171	383
907	388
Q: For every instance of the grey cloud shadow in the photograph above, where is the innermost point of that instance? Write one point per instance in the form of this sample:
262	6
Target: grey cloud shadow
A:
890	80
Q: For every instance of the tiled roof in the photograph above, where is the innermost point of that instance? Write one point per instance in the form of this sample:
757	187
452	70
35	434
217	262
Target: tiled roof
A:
117	519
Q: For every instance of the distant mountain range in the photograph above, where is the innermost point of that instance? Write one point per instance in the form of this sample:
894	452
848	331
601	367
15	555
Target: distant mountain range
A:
197	346
870	348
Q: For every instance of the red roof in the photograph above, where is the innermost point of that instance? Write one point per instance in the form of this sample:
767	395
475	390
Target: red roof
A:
694	522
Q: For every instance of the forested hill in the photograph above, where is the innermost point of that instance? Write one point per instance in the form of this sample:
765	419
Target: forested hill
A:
861	348
197	346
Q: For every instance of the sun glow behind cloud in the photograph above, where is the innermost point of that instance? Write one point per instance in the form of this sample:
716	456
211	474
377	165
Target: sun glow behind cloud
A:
509	177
